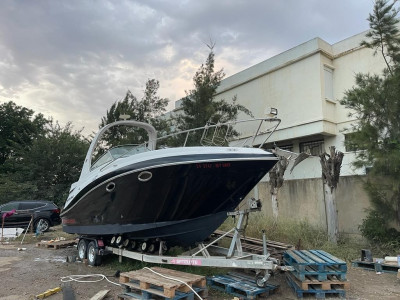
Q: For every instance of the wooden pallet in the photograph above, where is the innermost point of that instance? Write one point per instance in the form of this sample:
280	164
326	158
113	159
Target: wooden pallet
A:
56	245
240	285
157	293
319	259
146	281
313	284
311	273
311	291
374	266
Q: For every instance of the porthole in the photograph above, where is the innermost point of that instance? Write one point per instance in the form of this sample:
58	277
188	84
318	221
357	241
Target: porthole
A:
145	176
110	187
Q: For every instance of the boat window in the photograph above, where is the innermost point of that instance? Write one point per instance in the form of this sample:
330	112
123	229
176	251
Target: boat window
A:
119	151
105	158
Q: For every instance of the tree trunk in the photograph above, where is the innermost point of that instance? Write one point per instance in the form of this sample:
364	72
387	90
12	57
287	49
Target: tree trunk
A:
331	165
276	181
274	199
331	213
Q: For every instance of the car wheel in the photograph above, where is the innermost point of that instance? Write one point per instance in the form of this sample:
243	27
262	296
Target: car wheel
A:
82	249
42	225
93	257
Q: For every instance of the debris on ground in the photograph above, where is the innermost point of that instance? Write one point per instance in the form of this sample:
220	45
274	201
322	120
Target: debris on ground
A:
56	243
48	293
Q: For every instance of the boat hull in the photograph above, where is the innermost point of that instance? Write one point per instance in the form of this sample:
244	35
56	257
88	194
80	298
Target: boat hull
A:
181	202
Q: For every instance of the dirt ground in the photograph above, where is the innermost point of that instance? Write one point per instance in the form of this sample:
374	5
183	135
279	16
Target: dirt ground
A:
36	269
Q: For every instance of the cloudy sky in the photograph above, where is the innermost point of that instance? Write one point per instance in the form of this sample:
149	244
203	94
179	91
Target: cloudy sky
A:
72	59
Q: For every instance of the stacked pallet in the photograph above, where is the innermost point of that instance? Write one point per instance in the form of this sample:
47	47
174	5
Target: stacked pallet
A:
316	272
240	285
155	284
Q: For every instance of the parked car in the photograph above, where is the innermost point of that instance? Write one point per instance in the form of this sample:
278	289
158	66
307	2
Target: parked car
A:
44	214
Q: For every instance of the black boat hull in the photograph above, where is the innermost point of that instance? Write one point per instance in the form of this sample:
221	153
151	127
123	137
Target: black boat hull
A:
179	203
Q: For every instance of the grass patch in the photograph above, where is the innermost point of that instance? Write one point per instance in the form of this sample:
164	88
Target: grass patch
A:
300	233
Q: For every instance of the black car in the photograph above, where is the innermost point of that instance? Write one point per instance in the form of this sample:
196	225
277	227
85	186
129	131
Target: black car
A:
35	212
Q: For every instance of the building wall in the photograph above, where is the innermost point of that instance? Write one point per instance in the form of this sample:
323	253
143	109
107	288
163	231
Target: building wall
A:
303	199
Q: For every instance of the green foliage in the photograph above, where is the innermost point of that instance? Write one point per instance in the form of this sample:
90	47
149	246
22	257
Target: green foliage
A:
47	168
374	101
383	35
18	129
199	105
149	110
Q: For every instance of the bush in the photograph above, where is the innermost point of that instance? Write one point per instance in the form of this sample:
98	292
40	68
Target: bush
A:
376	229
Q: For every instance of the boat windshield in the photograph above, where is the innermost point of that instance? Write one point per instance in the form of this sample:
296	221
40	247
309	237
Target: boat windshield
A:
117	152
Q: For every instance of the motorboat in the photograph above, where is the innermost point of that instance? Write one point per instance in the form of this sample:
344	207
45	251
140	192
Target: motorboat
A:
153	192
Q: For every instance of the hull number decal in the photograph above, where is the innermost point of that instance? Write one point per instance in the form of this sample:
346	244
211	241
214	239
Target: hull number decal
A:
213	165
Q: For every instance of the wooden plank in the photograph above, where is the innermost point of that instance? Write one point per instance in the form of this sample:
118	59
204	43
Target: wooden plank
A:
146	279
333	259
310	283
100	295
297	259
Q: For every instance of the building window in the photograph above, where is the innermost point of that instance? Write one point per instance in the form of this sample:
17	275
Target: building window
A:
313	148
328	77
349	144
287	147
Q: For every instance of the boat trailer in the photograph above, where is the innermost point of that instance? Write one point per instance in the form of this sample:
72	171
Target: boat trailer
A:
211	255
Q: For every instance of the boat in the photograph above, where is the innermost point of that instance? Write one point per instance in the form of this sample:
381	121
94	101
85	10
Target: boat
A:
152	192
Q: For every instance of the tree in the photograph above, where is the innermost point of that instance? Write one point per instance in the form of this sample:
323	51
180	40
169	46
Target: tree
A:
149	109
199	106
374	101
18	129
47	168
383	34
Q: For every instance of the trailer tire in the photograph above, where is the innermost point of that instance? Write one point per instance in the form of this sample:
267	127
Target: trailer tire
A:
82	249
93	257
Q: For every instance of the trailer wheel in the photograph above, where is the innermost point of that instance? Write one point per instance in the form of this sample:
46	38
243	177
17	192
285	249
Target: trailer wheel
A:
82	249
261	279
94	259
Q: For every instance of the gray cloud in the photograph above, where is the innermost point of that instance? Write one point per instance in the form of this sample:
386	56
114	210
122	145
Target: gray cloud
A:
73	59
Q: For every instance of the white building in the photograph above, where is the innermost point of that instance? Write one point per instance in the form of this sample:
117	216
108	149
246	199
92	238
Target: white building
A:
305	84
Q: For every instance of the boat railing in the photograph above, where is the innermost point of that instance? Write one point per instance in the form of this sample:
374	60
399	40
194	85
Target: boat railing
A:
212	134
220	134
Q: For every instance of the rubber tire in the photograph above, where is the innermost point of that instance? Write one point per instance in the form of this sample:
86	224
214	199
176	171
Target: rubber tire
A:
260	281
93	257
82	253
45	224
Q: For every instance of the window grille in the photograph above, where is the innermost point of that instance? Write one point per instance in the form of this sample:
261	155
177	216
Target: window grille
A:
314	148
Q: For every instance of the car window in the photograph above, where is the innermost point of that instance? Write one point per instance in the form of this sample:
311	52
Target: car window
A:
9	206
30	205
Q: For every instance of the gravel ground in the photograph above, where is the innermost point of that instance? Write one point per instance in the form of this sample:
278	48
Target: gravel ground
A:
36	269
